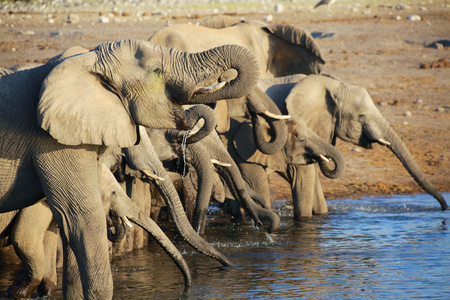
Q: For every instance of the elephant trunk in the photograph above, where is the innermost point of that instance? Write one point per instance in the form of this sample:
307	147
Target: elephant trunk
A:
277	127
179	219
264	212
219	60
193	115
237	187
330	152
201	161
400	150
144	221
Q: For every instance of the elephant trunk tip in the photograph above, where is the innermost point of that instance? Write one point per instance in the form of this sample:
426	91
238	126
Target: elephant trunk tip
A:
329	173
442	202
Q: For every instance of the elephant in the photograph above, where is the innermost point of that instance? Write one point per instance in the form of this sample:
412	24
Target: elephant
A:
202	155
57	120
33	233
280	49
332	109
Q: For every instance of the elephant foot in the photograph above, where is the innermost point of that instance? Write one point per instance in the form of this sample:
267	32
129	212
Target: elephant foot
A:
46	288
23	289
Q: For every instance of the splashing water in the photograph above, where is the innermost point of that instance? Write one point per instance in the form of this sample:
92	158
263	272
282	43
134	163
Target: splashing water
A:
269	237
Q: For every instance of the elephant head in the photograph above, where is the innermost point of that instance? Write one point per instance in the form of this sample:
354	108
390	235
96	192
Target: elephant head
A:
135	82
334	109
119	205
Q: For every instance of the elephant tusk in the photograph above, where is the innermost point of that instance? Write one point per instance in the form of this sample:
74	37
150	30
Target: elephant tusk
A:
126	221
152	176
383	142
274	116
210	89
324	158
192	132
215	161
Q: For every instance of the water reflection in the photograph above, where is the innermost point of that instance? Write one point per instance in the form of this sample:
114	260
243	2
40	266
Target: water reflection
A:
395	247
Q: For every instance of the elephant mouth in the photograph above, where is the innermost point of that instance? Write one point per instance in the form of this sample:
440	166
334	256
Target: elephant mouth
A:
365	142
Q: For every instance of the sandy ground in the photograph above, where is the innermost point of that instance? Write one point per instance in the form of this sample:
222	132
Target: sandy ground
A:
372	45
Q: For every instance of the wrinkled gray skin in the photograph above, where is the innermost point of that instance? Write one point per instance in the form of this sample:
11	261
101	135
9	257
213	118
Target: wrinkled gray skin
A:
144	158
33	233
56	121
302	149
200	155
280	50
334	109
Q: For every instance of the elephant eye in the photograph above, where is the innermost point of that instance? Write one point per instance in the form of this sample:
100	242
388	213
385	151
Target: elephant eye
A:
362	117
157	71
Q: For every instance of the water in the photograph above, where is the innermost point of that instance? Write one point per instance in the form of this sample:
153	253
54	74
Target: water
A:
394	248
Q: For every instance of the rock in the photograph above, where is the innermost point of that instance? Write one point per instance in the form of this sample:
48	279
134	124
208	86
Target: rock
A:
440	109
407	113
279	8
418	101
414	18
103	19
268	18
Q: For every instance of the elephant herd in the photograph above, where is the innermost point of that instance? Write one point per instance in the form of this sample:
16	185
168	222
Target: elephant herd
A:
215	107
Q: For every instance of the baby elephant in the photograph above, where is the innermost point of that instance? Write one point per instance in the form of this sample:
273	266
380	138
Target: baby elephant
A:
33	233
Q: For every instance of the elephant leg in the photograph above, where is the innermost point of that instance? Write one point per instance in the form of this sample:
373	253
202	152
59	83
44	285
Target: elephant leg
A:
28	239
301	178
48	284
70	178
72	276
319	204
257	179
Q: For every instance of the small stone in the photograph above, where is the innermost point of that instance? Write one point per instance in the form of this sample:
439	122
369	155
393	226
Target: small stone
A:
413	18
418	101
268	18
357	150
407	113
279	8
440	109
384	103
103	19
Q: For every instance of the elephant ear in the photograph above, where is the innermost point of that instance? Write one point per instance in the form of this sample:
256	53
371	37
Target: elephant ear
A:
295	52
76	108
245	145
